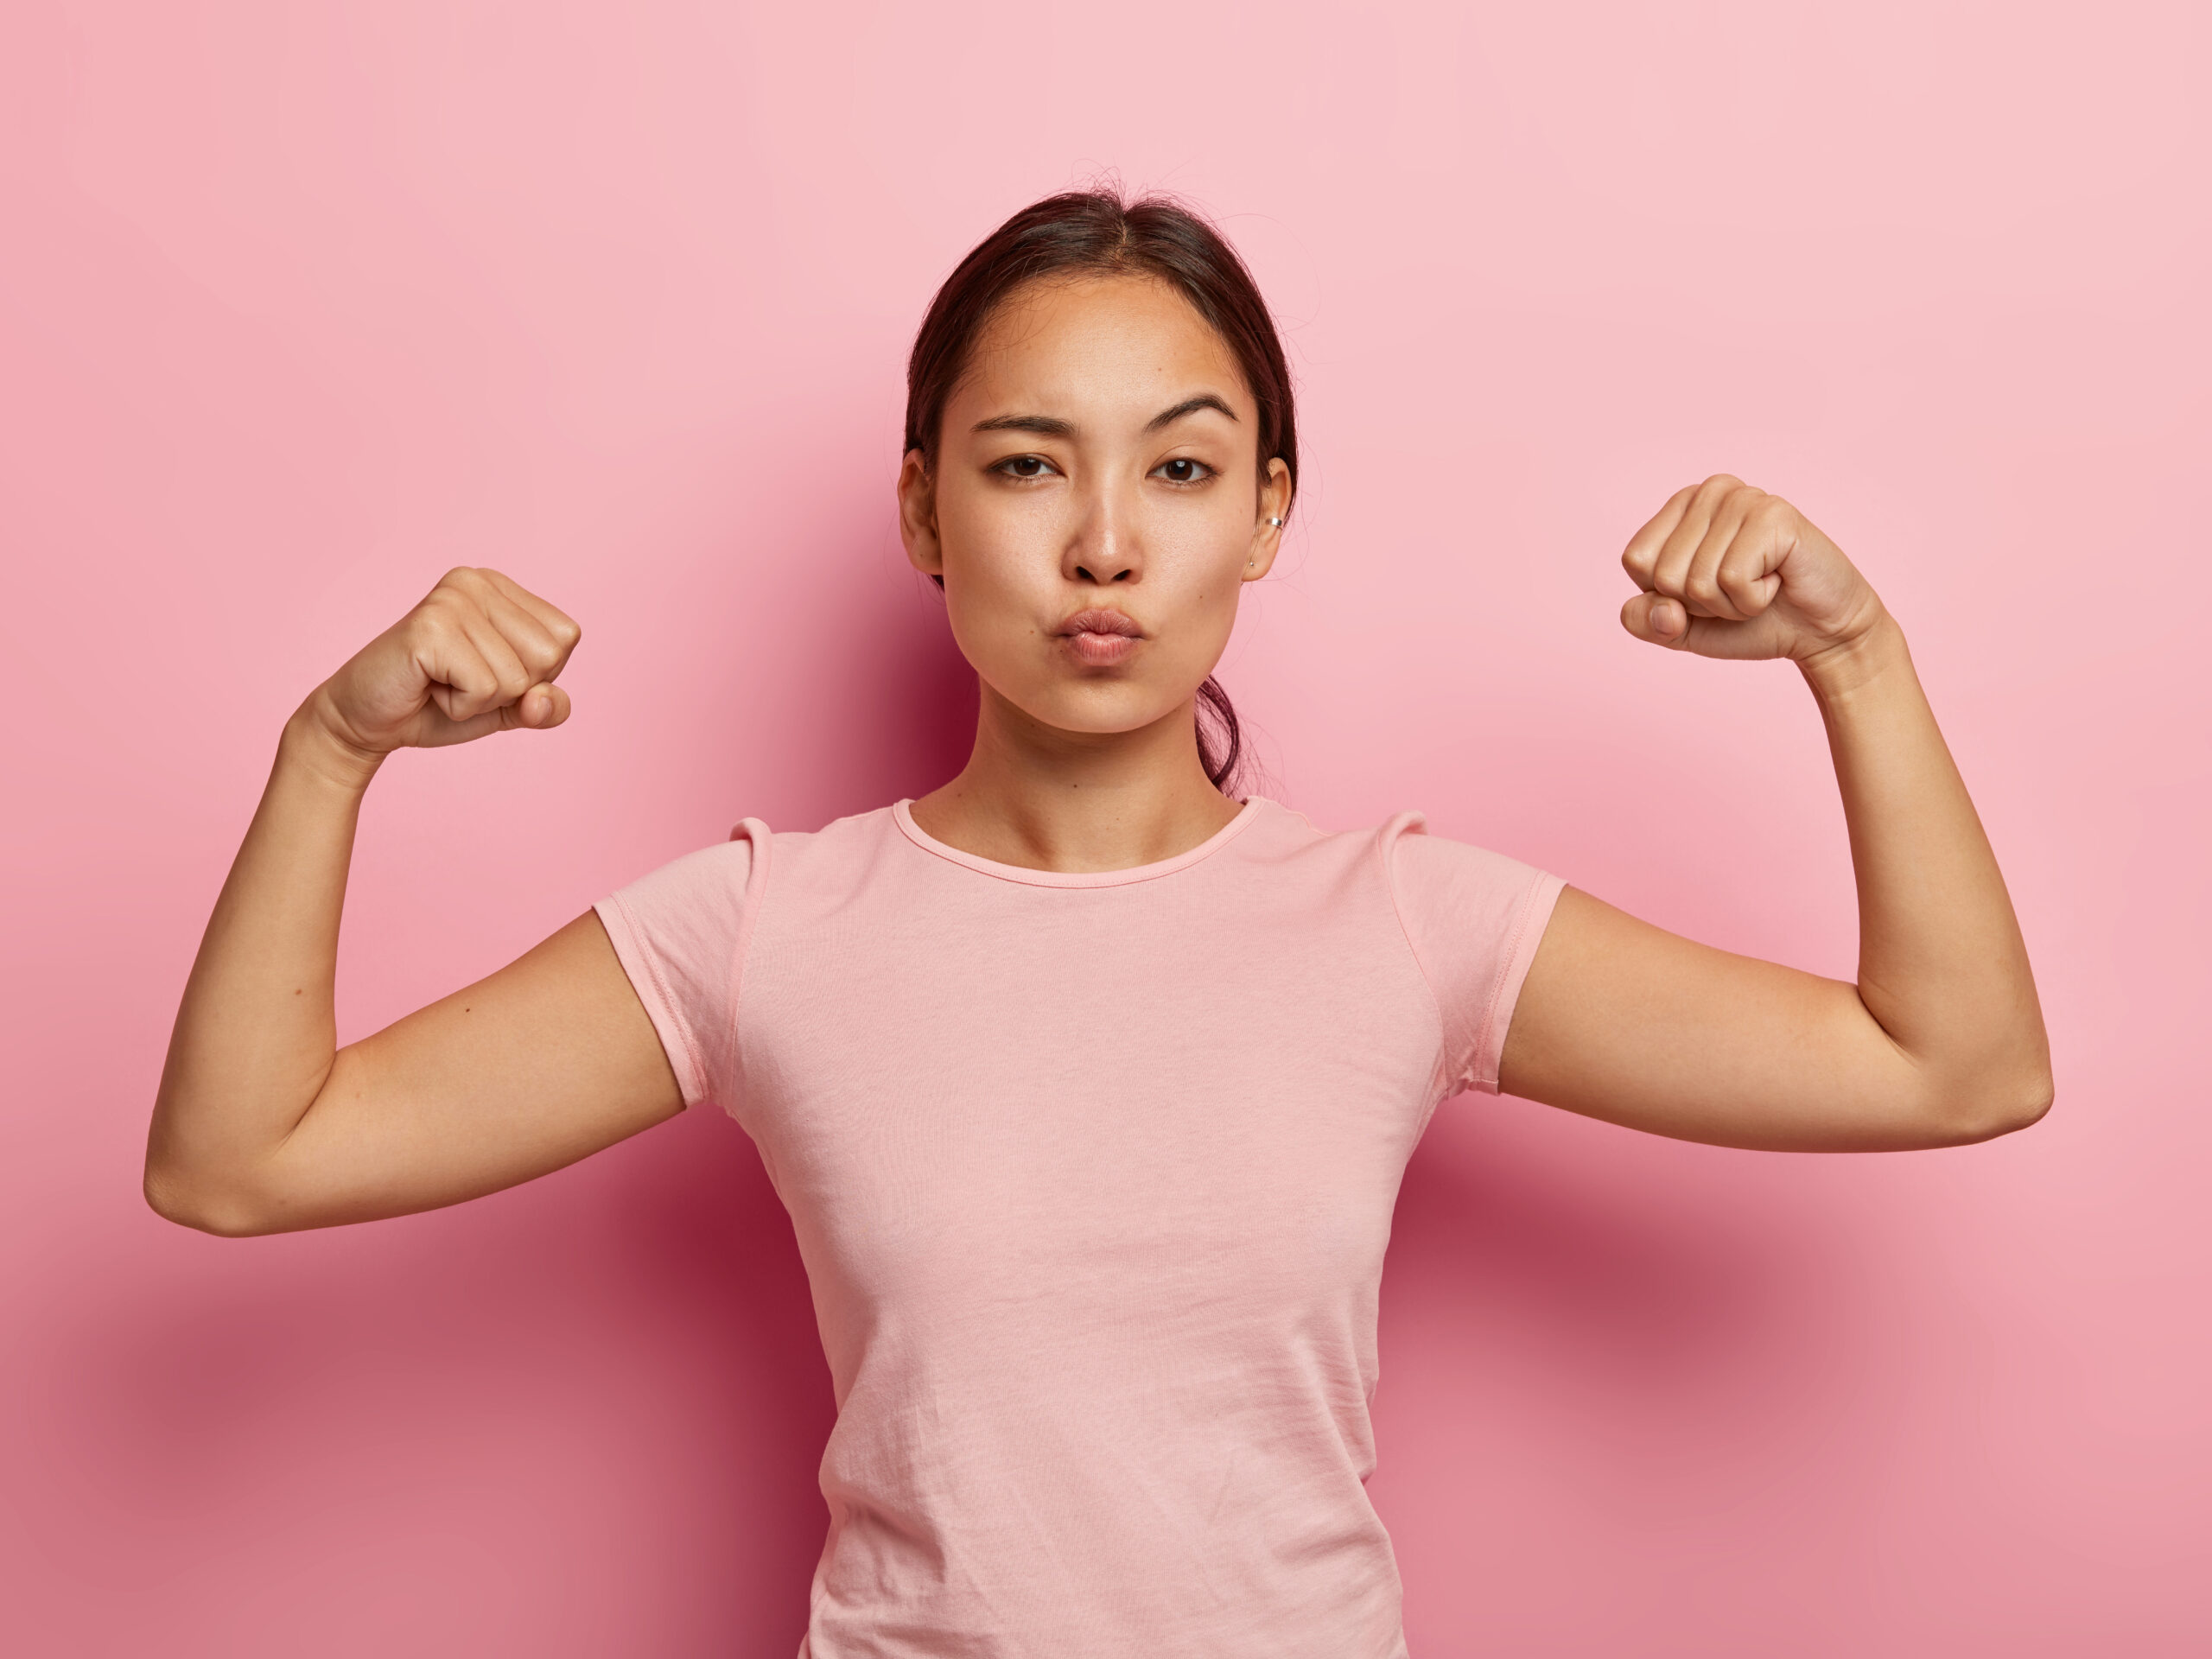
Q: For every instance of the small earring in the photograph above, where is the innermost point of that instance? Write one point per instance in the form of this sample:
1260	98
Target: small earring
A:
1277	522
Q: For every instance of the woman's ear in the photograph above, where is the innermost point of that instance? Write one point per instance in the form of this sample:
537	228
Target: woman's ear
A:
917	517
1275	508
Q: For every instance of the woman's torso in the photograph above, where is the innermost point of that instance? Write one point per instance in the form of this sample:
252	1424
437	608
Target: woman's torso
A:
1093	1179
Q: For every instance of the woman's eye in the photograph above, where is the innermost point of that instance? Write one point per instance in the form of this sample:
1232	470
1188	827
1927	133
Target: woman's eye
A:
1025	467
1184	470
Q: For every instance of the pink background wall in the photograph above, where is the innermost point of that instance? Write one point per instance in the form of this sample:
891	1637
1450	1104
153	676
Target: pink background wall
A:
300	304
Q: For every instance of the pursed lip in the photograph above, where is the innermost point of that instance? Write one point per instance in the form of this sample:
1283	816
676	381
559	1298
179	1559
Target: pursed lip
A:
1099	619
1100	637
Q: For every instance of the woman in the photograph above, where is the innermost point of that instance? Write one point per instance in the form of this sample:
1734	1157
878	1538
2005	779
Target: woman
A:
1088	1085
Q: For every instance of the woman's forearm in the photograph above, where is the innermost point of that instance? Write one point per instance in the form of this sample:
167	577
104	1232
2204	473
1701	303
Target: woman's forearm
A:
256	1033
1941	965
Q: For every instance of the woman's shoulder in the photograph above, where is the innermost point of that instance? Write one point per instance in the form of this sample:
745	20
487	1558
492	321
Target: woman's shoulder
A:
1289	829
742	860
1403	846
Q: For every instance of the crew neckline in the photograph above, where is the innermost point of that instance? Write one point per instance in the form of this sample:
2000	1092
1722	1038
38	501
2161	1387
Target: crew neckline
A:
903	817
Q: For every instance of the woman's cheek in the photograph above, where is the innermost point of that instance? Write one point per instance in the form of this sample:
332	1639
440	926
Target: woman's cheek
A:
986	629
995	617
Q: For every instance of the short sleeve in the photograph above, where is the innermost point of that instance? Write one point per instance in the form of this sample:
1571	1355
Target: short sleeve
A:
1474	919
680	934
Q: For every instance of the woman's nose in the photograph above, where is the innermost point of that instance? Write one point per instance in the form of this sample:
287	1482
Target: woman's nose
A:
1104	548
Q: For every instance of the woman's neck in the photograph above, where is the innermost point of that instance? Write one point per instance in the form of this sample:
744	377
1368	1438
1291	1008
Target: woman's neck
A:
1042	798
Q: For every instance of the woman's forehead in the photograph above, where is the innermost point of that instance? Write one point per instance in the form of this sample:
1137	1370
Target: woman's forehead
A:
1104	342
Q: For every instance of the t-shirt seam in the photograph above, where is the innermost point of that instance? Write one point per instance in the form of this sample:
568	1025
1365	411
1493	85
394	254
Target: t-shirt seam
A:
695	1084
1182	861
757	837
1385	848
1487	1063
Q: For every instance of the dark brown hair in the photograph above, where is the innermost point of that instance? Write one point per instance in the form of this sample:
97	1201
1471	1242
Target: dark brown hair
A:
1095	232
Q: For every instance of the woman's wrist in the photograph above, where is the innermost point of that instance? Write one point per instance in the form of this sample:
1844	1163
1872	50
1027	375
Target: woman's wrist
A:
313	740
1839	672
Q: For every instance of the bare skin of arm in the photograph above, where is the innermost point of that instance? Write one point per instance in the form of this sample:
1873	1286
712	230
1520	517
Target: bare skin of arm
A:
1942	1040
263	1124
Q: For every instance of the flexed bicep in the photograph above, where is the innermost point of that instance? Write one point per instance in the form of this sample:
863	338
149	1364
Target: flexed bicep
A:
1622	1020
546	1061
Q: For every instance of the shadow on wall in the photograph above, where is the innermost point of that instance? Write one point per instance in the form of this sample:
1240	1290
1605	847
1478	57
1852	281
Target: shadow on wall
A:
860	697
922	712
598	1399
1605	1324
1622	1259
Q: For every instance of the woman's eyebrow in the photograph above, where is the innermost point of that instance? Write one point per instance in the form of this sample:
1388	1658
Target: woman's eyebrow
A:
1188	406
1050	426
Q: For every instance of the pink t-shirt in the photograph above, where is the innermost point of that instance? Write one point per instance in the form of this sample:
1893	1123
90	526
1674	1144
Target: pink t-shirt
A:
1093	1176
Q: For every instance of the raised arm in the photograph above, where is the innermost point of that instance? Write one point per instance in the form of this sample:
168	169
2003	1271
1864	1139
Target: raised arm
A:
263	1124
1942	1040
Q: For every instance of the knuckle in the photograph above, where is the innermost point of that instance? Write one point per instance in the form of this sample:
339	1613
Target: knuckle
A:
429	620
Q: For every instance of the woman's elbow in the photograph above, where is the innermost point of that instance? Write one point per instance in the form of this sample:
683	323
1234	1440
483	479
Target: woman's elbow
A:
203	1206
1992	1108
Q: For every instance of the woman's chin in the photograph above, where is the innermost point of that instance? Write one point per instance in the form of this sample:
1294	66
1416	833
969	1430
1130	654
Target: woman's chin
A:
1099	704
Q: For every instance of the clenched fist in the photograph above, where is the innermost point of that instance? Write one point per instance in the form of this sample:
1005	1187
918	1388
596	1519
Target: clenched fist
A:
479	655
1727	570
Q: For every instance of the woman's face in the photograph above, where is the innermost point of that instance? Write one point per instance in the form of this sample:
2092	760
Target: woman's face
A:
1097	502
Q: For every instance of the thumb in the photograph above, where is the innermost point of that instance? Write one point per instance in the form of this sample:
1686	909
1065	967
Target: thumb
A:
1658	621
543	705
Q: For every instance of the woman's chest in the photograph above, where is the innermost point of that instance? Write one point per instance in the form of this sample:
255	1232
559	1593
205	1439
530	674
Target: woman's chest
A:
1061	1099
